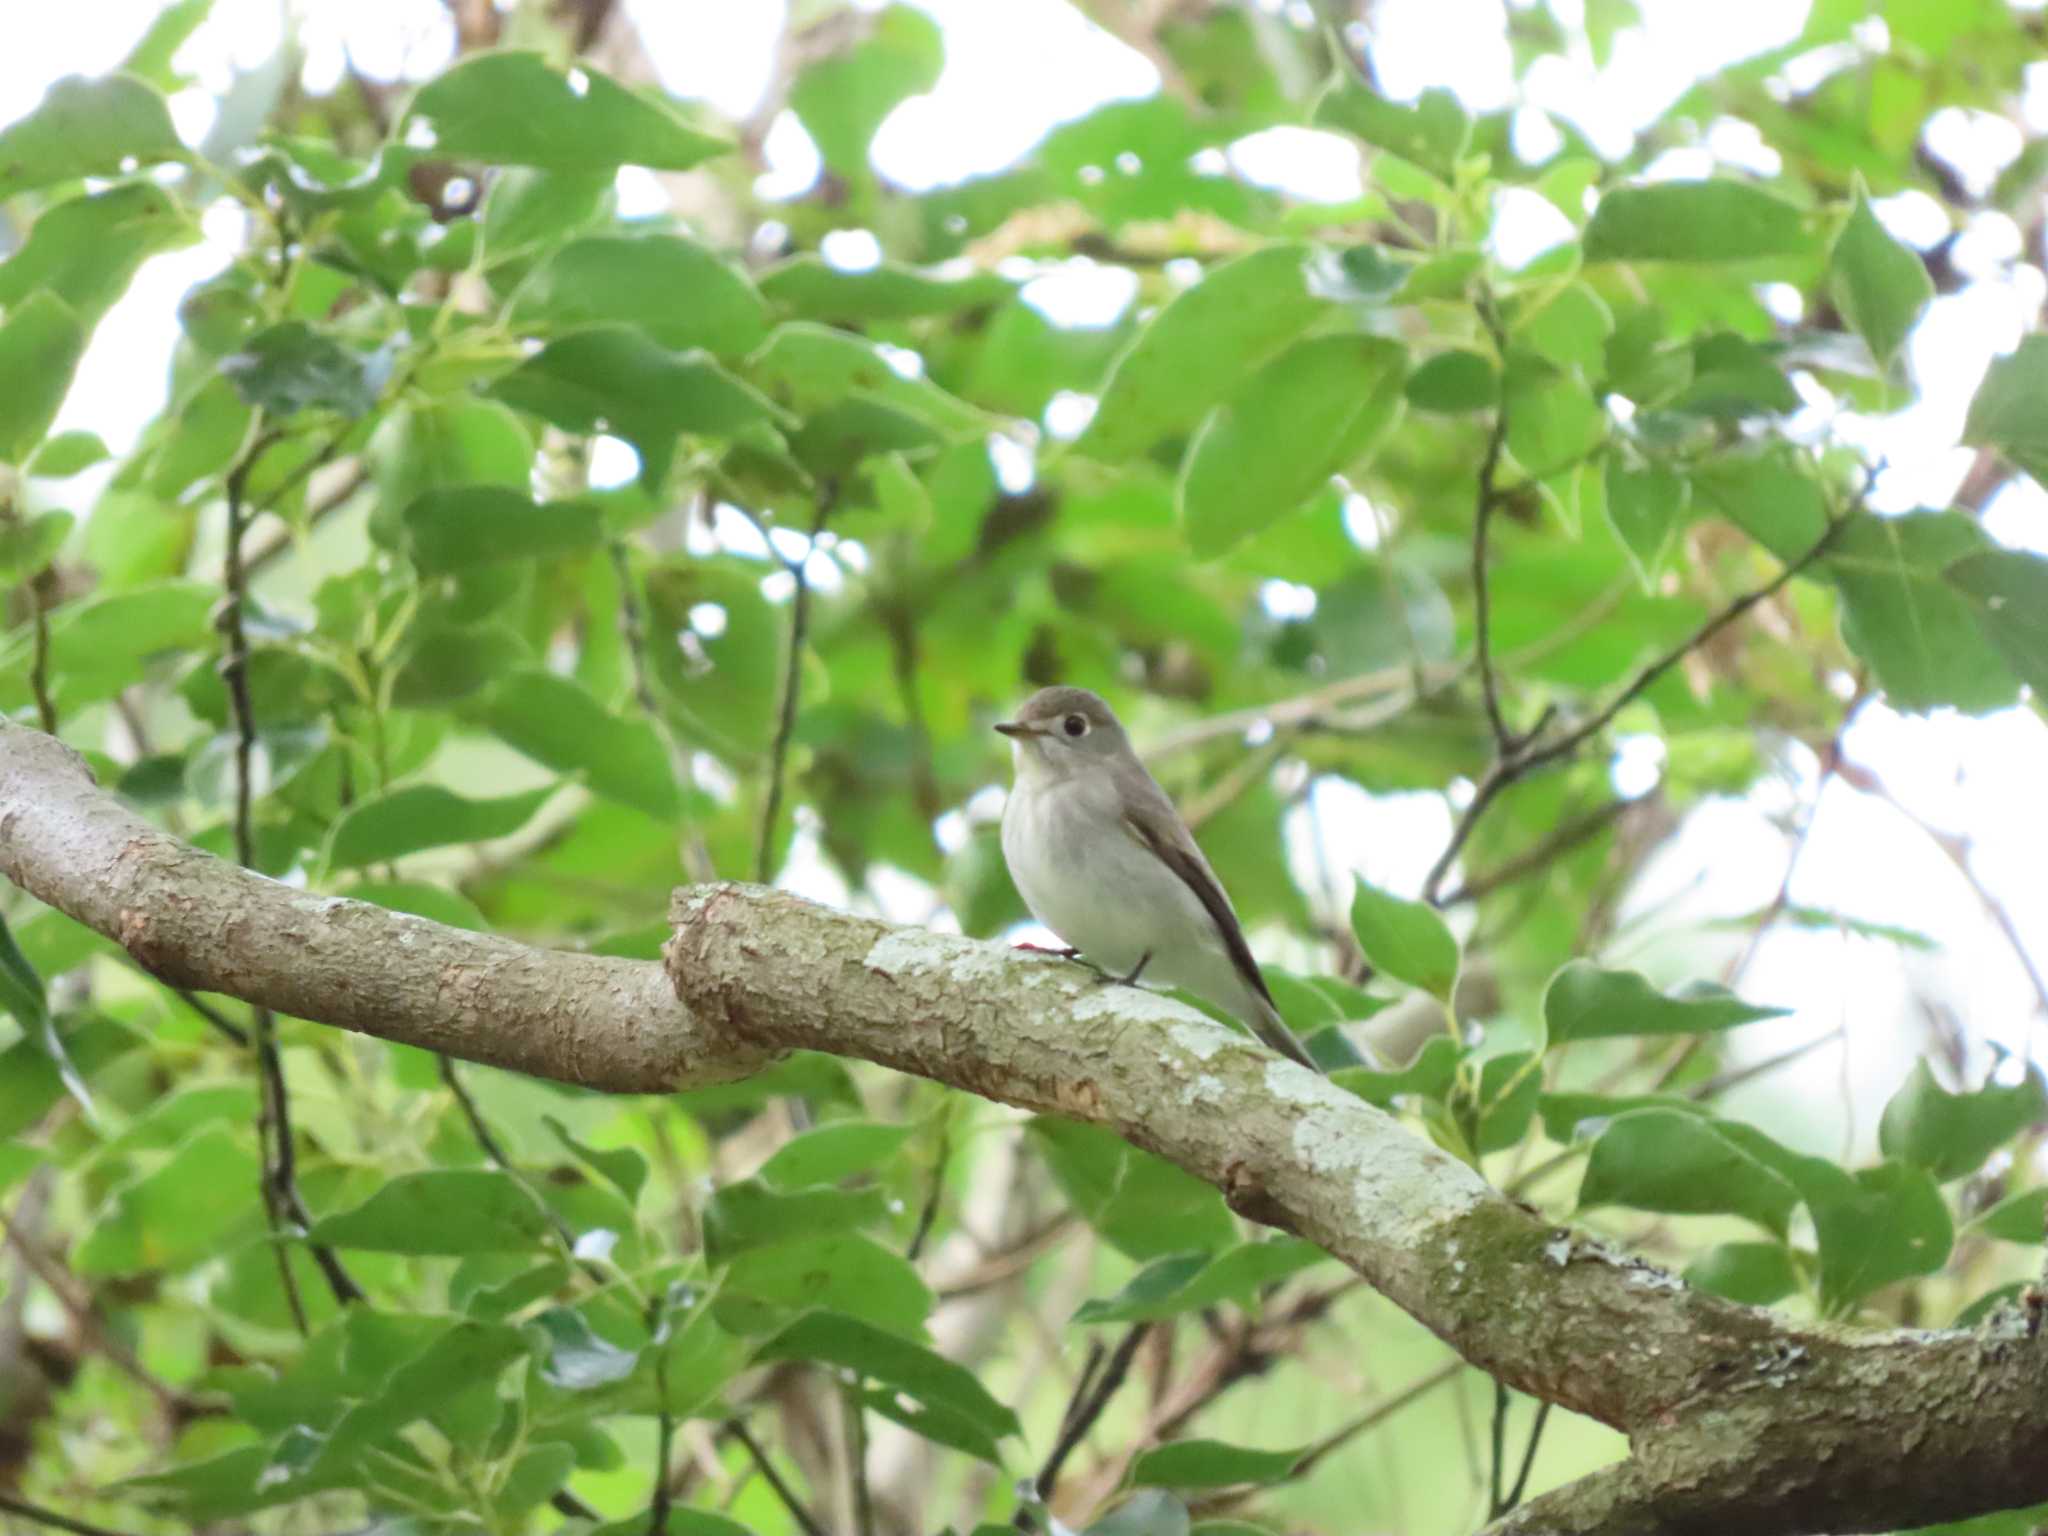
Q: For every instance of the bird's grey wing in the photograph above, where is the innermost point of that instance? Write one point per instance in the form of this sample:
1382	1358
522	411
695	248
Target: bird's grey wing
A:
1151	818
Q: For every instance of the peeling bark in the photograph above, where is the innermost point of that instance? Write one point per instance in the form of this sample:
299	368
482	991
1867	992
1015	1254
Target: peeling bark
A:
1738	1418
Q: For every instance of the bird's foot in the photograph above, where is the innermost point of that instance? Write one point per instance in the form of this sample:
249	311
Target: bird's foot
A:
1136	971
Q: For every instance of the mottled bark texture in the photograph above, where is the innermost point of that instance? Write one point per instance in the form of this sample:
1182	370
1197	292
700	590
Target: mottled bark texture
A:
1738	1419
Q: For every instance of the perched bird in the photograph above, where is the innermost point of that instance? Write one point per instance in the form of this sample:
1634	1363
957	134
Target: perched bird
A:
1103	859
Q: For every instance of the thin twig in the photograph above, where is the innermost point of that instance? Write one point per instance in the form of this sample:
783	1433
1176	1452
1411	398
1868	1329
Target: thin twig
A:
1091	1396
930	1212
857	1459
665	1422
269	549
783	1491
35	1514
1528	1457
1530	753
39	665
1561	841
1487	500
633	632
213	1016
495	1151
1374	1416
792	684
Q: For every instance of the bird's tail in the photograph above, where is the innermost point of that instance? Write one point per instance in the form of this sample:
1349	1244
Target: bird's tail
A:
1267	1024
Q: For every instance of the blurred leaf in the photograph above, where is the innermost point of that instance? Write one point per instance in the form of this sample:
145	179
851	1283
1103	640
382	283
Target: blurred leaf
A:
1881	287
622	1166
842	99
526	208
1212	1464
2019	1218
86	250
560	726
402	821
1584	1002
176	1214
1717	220
1199	349
677	291
829	1153
1875	1226
1185	1282
150	59
1149	1512
2010	409
1952	1134
22	995
904	1382
512	109
86	128
27	547
41	342
1303	417
1683	1165
442	1210
291	368
1900	614
1405	939
849	1272
2008	590
810	367
457	527
1646	507
1433	133
1756	1273
1429	1075
1454	381
576	1359
748	1214
1142	1205
812	289
61	457
433	902
97	647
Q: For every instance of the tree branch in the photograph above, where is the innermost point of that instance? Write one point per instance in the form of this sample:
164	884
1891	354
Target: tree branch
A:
1731	1410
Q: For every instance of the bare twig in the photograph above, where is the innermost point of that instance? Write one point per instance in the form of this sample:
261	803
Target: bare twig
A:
696	857
783	1491
1499	1502
35	1514
1561	841
792	684
930	1212
1090	1397
271	548
1488	498
39	664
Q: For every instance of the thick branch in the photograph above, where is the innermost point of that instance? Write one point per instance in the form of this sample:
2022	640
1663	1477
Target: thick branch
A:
1734	1414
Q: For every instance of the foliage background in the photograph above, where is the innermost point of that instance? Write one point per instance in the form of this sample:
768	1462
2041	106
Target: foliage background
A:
599	528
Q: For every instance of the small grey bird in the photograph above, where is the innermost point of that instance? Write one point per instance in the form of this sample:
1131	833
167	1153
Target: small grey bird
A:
1103	859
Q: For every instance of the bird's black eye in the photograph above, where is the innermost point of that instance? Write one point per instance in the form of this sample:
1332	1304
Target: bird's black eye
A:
1074	725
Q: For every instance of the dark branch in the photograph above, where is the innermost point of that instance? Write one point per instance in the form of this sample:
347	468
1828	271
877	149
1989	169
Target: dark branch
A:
792	685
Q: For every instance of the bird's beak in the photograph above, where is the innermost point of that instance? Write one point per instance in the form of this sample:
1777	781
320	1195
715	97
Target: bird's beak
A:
1018	729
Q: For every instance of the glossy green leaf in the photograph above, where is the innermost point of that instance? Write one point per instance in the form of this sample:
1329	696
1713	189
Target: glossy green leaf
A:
833	1152
1570	1117
680	293
1405	939
1901	614
514	109
2010	409
1756	1273
291	368
1198	350
1685	1165
444	1211
1211	1464
1880	286
1704	221
1185	1282
528	208
2008	591
403	821
41	342
918	1389
560	726
457	527
1952	1134
1309	413
86	128
1584	1002
1142	1205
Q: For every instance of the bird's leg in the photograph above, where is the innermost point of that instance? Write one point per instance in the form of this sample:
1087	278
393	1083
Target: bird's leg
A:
1136	971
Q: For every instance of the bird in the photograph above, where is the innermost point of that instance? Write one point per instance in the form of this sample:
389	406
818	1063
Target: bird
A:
1102	858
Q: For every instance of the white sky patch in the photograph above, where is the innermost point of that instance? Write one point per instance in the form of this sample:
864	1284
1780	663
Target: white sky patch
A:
1013	461
794	163
1463	44
1305	163
1067	415
713	50
1079	293
639	192
613	462
1287	600
1637	767
1525	225
1914	217
851	250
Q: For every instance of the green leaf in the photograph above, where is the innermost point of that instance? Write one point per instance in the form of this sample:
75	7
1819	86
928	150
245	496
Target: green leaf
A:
85	250
462	526
1429	1075
810	288
1198	350
1710	221
622	1166
849	1273
1148	1512
833	1152
1647	507
575	1358
1901	614
1683	1165
402	821
1755	1273
1772	501
41	342
1952	1134
1407	940
1309	413
554	721
842	99
1212	1464
1570	1117
749	1214
291	367
438	444
1433	133
1875	1226
810	367
1454	381
98	647
2010	409
612	378
27	547
1141	1204
2008	591
86	128
1584	1002
903	1381
1184	1282
177	1214
442	1210
526	207
150	59
2016	1219
1880	286
512	109
678	292
22	995
63	456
